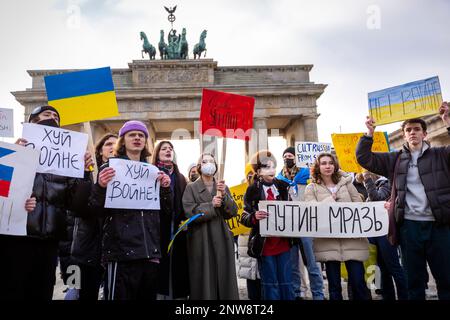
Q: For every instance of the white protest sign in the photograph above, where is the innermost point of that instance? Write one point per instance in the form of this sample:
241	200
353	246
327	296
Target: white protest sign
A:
62	151
134	186
307	152
324	220
17	171
6	122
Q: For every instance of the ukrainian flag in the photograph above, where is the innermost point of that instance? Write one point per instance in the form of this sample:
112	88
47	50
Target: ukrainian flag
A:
411	100
82	96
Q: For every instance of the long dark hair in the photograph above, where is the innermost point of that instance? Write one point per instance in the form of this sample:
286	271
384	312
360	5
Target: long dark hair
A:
155	157
335	177
99	146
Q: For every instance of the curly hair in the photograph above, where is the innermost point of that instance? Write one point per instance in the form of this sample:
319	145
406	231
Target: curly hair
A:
335	177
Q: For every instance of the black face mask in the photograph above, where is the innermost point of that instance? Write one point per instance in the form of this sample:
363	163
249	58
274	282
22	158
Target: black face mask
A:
193	177
49	122
289	163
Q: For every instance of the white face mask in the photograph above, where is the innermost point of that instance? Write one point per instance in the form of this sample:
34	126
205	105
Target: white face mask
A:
208	169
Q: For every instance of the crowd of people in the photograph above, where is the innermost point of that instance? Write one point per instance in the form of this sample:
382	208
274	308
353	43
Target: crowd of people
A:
125	251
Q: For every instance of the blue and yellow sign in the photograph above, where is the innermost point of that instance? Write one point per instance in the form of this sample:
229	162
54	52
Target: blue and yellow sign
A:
411	100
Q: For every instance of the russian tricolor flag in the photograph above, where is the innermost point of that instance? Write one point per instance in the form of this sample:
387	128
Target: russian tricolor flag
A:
6	173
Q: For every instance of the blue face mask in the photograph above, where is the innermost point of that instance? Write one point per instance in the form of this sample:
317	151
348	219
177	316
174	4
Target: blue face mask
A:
208	169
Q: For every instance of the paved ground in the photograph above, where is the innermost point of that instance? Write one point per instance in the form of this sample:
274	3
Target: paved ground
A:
431	293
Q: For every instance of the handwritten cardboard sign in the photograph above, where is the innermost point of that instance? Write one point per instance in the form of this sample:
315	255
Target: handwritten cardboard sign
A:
235	225
17	171
6	122
345	147
411	100
324	220
307	152
226	115
61	151
134	186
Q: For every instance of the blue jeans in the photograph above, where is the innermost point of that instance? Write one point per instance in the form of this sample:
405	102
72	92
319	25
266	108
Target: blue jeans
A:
422	242
389	263
355	270
276	277
314	273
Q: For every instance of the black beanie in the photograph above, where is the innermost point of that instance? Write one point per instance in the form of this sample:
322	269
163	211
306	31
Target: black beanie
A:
38	110
289	150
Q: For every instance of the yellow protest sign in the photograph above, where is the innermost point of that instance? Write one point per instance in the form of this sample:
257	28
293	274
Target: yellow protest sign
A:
238	192
345	147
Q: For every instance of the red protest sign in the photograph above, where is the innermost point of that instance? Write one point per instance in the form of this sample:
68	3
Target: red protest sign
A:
226	115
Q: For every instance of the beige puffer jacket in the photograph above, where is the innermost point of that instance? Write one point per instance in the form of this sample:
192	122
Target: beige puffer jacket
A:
334	249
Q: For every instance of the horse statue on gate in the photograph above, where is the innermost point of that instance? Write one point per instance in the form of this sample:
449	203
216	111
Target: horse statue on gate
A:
183	45
147	47
201	46
162	47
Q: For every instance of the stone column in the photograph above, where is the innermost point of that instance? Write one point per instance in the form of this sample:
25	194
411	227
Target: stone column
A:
259	139
208	144
151	136
310	127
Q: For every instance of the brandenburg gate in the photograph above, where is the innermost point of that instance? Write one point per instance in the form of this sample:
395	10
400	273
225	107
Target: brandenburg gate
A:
166	95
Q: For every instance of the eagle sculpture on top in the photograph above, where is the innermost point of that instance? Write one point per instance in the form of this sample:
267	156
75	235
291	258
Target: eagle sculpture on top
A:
170	10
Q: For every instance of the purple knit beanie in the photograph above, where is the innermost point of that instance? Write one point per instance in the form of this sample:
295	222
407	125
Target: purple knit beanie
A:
133	125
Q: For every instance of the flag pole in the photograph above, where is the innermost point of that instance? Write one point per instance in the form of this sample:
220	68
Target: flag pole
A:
88	129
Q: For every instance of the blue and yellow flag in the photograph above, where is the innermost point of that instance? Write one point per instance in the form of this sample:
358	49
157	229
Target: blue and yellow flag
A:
82	96
411	100
182	227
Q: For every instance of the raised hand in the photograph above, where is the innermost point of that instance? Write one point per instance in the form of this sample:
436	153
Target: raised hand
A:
370	124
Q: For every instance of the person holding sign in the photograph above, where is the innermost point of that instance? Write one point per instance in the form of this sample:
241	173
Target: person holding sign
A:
298	179
330	185
212	270
131	237
87	237
32	262
421	175
173	275
273	252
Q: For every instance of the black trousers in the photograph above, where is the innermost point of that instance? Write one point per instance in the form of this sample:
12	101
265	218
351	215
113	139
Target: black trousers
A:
91	279
132	280
27	268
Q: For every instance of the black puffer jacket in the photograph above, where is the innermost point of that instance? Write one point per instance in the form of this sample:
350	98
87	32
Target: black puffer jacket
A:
252	196
129	234
434	171
87	234
53	196
175	265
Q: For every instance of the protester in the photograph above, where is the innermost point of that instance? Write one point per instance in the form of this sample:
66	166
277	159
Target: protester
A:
329	184
212	270
422	205
379	189
131	237
28	263
87	238
173	275
192	172
248	266
297	178
273	252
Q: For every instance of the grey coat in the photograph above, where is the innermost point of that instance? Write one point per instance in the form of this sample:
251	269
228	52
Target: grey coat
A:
212	270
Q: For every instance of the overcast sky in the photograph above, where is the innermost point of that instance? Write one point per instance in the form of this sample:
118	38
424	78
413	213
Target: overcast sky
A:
356	46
